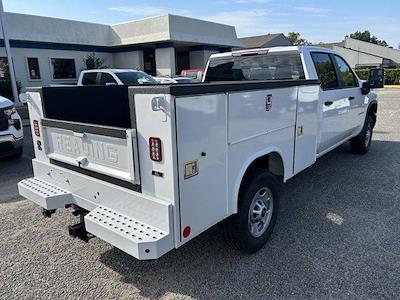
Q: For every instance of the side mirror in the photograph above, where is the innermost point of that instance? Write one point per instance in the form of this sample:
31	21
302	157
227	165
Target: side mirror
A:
365	88
24	98
376	78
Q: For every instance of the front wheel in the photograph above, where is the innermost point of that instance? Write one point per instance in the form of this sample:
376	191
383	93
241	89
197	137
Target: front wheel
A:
362	143
251	227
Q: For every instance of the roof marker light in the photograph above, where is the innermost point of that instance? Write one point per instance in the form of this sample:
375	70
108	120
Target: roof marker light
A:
249	53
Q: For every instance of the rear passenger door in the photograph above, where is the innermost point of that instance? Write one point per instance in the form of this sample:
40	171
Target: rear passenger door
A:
334	103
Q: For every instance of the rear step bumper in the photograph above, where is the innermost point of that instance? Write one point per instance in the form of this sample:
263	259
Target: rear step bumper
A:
131	236
44	194
137	238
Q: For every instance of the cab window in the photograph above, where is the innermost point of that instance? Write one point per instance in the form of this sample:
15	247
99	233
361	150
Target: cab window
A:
346	75
107	79
325	70
259	67
89	78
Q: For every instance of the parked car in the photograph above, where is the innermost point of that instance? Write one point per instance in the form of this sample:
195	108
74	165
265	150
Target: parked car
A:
11	132
174	79
149	168
196	74
115	77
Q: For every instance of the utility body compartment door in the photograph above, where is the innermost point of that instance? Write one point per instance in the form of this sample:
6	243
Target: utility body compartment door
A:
306	127
202	155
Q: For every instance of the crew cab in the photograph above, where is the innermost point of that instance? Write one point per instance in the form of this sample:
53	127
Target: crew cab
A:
11	133
148	168
114	77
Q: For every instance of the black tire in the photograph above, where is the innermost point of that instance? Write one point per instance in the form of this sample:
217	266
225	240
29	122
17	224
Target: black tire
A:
236	229
362	143
17	155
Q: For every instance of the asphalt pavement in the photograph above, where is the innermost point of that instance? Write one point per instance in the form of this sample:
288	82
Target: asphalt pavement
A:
337	236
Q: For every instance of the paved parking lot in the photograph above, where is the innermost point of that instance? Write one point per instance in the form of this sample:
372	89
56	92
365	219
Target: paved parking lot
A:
337	236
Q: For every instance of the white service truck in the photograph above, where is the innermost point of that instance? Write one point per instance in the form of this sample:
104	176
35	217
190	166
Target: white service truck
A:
149	168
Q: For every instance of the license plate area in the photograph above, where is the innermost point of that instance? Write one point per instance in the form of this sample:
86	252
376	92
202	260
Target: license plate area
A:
106	150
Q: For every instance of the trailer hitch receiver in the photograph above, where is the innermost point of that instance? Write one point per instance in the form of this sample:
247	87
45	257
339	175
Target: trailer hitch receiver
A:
79	231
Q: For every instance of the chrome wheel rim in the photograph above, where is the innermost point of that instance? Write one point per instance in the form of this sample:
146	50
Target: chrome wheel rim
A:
368	135
260	212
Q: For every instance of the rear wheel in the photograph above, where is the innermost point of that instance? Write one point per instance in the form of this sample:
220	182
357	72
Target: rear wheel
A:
251	227
362	143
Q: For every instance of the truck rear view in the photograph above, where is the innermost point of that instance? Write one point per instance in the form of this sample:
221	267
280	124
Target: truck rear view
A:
149	168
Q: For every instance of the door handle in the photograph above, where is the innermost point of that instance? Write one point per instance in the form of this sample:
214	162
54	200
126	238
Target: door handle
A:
328	103
79	134
352	98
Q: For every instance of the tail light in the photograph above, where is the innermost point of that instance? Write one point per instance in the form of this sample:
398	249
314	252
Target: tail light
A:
36	127
155	149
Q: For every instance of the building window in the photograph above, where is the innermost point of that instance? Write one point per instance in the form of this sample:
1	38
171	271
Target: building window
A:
63	68
3	68
33	68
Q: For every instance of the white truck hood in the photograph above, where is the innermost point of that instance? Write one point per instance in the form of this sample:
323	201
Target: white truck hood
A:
4	102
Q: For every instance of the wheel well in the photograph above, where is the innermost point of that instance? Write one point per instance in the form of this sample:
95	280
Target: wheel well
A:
271	162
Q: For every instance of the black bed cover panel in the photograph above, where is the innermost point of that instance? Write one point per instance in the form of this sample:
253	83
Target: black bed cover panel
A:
100	105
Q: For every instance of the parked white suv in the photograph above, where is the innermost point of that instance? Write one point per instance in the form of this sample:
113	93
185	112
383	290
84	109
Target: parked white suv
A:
115	77
11	133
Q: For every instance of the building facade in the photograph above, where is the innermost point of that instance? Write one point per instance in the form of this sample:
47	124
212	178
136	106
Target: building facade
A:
49	51
360	54
265	41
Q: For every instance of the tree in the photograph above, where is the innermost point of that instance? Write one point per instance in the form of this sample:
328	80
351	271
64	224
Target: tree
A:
91	61
367	37
295	39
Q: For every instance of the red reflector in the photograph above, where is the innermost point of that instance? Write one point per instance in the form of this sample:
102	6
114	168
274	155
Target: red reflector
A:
155	149
36	127
186	231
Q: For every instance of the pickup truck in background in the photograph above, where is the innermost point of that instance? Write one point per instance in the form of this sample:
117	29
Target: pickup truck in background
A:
196	74
114	77
148	168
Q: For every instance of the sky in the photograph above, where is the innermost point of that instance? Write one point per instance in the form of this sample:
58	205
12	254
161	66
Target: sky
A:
317	21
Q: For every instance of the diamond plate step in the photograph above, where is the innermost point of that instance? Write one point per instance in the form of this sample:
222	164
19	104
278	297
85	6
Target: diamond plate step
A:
131	236
44	194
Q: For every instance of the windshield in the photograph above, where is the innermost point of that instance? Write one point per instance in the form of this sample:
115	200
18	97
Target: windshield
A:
135	78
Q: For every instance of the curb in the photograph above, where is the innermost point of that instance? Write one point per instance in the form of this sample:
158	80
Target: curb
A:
392	86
